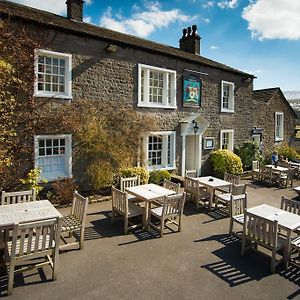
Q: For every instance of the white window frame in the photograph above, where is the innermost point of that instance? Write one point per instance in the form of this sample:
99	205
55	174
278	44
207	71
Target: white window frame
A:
231	98
68	153
231	138
279	137
164	165
68	75
166	103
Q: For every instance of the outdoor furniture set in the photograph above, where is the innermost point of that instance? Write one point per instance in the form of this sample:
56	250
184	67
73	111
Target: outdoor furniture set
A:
31	229
282	174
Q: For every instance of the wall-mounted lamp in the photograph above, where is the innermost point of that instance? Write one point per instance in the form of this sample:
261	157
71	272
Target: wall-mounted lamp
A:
111	48
196	127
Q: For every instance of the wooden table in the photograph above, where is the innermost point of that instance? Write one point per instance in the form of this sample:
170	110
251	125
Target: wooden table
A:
213	183
278	169
149	193
297	189
27	212
286	221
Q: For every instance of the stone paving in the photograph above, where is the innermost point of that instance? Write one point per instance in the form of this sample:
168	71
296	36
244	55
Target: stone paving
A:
201	262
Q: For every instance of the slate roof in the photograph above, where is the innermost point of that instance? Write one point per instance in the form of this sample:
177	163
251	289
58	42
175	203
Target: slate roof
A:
18	11
266	95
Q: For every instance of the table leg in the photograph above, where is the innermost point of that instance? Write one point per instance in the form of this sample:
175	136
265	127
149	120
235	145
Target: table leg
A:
211	197
146	221
287	250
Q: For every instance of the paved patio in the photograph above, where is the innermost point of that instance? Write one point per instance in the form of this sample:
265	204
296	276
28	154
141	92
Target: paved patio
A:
201	262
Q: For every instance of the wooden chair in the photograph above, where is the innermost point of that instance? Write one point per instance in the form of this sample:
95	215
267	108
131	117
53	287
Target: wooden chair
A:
255	170
237	206
29	242
74	222
196	191
125	209
171	210
225	198
126	182
234	179
191	173
171	186
17	197
286	178
290	205
262	232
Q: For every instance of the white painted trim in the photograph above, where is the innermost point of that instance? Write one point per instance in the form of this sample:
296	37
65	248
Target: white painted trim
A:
68	152
232	99
145	102
281	129
68	75
232	138
183	145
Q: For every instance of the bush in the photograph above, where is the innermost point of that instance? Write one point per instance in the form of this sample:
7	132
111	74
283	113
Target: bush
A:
134	171
32	181
248	152
226	161
287	152
158	176
61	192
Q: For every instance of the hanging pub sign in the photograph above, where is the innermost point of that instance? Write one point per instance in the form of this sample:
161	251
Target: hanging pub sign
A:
192	88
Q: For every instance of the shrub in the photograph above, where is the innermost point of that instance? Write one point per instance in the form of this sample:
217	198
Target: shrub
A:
248	152
61	191
134	171
287	152
158	176
32	181
226	161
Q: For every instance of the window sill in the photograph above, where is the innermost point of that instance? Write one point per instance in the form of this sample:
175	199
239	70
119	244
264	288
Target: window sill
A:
227	111
156	106
161	168
53	96
278	139
55	178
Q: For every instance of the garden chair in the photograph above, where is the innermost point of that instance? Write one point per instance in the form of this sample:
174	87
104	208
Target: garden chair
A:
234	179
226	197
123	208
129	182
286	178
171	186
17	197
259	231
191	173
74	222
170	211
256	170
29	242
237	206
292	206
196	191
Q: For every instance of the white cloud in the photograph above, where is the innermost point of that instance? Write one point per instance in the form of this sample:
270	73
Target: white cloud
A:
228	4
143	22
208	4
273	19
54	6
206	20
214	47
87	19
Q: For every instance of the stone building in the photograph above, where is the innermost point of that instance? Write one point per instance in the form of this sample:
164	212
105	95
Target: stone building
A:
199	104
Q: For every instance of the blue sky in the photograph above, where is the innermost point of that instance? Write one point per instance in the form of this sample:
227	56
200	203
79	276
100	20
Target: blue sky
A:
261	37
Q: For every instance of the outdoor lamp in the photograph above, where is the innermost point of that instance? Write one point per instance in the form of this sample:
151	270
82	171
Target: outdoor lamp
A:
196	127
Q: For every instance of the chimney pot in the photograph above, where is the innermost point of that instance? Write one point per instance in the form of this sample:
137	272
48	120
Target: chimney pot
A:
75	9
190	41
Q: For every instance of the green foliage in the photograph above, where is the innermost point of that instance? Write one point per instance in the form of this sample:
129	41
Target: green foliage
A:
226	161
134	171
32	180
287	152
158	176
248	152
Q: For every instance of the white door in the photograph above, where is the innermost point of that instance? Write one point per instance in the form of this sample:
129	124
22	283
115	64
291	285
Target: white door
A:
192	152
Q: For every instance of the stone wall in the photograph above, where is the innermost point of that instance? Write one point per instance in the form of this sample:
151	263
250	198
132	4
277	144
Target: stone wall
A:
265	118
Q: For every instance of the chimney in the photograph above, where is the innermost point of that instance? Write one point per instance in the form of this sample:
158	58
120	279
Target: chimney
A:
75	10
190	41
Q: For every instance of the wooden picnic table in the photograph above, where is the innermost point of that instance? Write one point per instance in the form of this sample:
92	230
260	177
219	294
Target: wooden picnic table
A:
286	221
212	183
149	193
